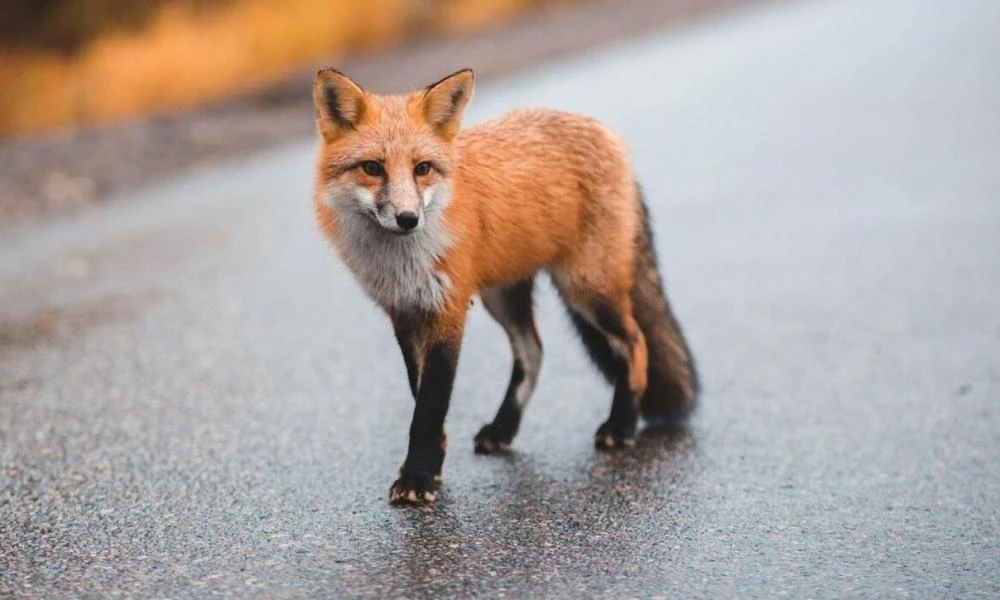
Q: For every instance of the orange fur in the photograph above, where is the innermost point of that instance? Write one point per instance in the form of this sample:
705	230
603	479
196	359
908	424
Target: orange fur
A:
533	189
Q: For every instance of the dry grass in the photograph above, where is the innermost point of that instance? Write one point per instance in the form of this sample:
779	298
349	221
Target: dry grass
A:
185	58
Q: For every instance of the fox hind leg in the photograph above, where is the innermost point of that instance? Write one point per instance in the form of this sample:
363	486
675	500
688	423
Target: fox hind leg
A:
512	308
617	347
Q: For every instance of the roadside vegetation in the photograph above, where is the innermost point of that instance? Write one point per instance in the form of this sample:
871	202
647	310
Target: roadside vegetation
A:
73	62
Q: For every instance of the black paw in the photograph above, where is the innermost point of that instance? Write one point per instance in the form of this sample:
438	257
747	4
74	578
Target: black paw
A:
414	489
491	440
613	435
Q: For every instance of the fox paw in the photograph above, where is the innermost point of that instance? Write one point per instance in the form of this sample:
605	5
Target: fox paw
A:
414	489
612	435
490	440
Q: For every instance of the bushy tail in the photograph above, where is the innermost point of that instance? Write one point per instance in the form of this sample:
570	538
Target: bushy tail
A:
672	389
672	378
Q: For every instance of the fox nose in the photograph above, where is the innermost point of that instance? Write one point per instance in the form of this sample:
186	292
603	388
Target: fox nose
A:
407	220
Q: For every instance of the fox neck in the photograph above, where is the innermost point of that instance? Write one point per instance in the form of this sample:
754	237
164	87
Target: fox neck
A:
398	272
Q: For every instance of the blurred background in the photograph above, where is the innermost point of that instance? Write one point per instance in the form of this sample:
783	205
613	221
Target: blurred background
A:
97	96
71	62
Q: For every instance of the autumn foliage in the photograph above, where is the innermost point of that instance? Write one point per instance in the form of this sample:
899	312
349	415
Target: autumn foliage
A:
69	62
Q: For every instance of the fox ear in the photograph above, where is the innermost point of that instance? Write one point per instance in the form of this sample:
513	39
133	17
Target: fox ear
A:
444	101
340	103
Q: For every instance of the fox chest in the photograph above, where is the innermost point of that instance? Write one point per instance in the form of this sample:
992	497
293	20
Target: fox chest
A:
398	273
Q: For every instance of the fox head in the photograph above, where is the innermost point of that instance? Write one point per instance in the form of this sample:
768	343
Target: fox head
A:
388	157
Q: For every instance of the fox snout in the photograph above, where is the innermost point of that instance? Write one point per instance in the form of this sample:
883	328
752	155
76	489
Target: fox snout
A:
400	221
400	214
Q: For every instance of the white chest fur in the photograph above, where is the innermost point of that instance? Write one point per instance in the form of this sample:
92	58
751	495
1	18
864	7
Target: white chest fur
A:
396	271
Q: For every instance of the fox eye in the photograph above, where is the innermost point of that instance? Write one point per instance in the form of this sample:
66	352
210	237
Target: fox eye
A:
372	168
422	168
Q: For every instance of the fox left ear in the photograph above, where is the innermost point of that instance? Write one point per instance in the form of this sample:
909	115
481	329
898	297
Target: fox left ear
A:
340	103
444	102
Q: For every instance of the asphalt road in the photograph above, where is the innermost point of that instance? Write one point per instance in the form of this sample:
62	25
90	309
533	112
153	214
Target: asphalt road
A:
195	397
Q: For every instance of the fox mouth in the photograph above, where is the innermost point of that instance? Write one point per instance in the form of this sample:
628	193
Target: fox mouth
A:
396	231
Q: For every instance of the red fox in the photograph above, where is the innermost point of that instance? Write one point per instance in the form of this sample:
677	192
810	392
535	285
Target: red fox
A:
428	215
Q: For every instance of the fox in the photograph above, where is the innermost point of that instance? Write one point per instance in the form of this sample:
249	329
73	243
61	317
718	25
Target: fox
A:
428	215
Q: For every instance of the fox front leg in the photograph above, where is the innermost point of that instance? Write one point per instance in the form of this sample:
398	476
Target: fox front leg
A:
406	329
436	363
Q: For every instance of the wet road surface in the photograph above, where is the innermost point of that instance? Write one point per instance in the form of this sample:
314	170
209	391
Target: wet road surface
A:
195	397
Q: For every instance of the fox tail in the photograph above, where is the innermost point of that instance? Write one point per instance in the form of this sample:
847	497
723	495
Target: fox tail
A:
673	386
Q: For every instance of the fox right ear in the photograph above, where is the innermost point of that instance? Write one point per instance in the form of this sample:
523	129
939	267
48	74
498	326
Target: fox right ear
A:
340	103
444	101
